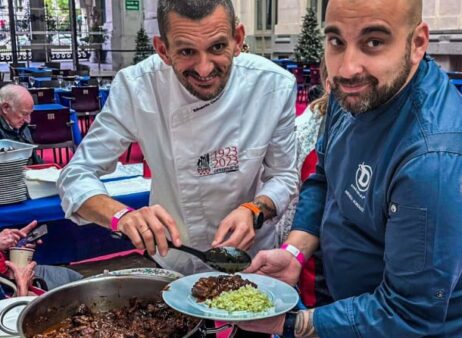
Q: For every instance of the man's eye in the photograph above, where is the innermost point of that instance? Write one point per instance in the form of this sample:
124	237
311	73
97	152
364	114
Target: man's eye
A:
186	52
218	47
374	43
334	42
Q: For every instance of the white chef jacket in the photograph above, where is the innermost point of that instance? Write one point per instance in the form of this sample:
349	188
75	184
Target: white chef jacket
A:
206	157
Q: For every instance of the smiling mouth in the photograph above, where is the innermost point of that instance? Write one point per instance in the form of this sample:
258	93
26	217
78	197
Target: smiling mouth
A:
203	81
354	89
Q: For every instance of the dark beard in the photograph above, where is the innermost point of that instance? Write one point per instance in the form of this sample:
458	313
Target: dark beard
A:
376	96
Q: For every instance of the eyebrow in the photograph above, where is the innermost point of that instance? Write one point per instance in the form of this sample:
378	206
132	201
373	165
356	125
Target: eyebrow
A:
180	43
331	30
376	29
364	31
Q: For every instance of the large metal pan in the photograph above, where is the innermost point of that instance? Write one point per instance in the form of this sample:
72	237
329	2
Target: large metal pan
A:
99	294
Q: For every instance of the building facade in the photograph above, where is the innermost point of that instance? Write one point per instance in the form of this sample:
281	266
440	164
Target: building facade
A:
445	20
272	26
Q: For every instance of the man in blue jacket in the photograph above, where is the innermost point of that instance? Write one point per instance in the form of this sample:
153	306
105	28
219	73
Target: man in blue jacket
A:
385	201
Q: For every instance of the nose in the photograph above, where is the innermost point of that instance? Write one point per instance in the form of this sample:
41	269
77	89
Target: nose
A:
204	65
27	118
351	63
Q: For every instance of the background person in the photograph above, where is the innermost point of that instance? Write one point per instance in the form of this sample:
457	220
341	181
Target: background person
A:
216	129
384	202
53	276
16	107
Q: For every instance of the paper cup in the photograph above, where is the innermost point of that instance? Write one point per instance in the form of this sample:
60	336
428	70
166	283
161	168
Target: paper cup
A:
21	256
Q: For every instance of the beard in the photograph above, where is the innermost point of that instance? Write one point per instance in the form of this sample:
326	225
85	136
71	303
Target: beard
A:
202	95
376	95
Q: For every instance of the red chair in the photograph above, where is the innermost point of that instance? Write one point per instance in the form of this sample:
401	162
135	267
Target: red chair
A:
52	128
302	90
42	95
86	103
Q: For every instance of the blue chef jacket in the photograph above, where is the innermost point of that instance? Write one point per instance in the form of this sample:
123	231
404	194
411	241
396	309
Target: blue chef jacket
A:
386	204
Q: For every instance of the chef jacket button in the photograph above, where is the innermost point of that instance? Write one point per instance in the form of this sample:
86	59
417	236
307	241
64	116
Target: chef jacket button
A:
440	294
393	208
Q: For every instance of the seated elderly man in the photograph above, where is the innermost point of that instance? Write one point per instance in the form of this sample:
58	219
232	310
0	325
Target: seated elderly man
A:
16	106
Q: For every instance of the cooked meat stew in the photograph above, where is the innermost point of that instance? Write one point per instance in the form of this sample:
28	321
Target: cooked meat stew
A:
211	287
141	319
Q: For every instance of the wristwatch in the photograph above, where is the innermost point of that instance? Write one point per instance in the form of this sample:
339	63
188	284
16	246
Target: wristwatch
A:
258	217
289	325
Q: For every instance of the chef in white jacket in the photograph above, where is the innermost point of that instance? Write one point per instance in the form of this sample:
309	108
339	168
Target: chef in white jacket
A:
216	129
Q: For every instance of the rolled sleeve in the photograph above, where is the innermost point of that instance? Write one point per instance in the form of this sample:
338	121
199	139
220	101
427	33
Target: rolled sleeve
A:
109	136
310	207
422	257
280	177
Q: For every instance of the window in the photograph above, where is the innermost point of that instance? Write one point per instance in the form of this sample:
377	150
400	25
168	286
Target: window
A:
266	11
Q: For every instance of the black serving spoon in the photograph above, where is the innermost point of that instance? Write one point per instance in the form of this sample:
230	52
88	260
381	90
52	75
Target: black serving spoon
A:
225	259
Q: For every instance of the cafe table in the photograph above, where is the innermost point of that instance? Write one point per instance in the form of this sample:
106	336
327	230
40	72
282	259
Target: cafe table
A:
35	70
66	241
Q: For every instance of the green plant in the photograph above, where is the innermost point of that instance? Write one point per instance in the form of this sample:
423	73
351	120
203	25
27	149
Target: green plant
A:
310	47
96	36
143	46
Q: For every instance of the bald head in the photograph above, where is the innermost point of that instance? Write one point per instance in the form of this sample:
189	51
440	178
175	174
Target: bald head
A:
15	95
414	11
410	10
16	105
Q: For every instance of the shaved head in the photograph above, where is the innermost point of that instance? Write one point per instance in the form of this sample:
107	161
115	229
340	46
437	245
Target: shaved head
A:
414	11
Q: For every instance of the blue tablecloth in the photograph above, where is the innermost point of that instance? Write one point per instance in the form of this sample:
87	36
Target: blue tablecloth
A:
73	117
66	242
39	80
26	70
83	80
103	94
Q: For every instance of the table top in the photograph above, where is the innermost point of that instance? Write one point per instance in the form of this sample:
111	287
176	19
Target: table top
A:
49	209
33	69
48	106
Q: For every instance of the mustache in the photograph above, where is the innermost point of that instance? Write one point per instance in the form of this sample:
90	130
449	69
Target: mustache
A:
193	73
356	80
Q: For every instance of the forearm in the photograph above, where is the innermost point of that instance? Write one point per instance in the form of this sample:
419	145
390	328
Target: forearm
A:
303	241
100	209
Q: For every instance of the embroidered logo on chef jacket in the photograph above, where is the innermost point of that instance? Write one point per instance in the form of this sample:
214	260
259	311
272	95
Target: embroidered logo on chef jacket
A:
355	192
223	160
363	177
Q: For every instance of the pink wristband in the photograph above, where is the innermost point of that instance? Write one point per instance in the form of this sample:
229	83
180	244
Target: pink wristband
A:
294	251
117	216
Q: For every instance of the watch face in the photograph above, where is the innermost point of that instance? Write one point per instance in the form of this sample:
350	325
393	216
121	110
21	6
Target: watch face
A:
258	220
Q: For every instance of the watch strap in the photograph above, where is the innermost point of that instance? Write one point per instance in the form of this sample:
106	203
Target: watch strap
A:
289	325
117	216
252	207
295	252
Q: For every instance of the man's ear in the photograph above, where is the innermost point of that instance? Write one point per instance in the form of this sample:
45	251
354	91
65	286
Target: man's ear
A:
4	106
239	37
420	42
161	49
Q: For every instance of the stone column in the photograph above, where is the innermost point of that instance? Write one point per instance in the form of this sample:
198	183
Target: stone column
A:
38	27
122	26
150	18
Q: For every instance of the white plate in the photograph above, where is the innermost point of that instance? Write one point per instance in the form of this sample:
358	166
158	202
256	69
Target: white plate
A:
11	318
178	296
